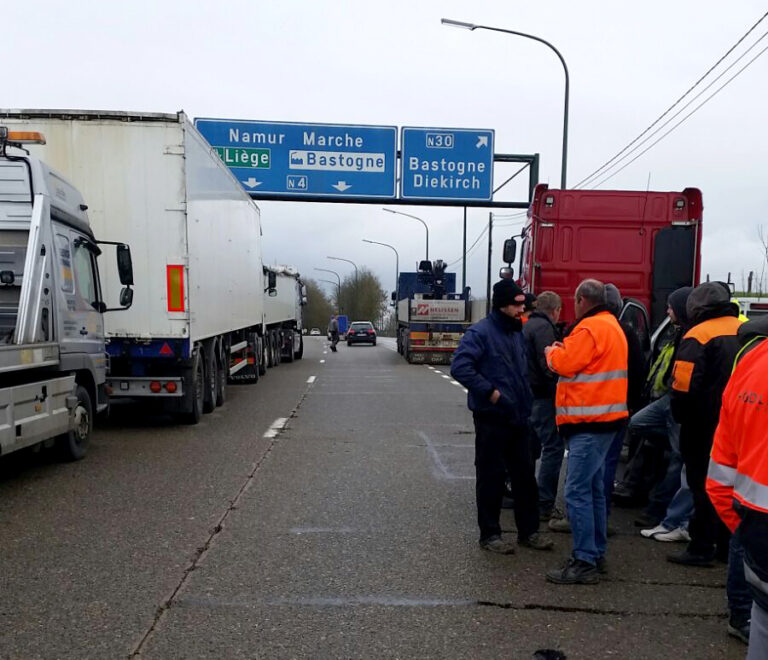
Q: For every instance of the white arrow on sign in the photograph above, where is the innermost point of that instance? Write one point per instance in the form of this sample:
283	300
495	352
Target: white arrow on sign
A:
482	141
251	182
341	186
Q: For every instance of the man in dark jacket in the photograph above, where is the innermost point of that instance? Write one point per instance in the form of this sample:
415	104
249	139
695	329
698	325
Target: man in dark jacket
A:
540	331
702	367
491	363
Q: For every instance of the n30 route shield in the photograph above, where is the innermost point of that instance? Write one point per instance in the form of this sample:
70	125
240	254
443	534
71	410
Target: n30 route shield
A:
306	160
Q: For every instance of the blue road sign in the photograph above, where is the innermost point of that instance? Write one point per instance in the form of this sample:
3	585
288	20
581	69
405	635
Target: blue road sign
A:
446	163
306	160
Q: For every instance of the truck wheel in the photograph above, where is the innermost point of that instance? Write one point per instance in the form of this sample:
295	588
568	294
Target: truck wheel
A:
300	353
73	445
275	348
209	394
197	391
288	339
222	369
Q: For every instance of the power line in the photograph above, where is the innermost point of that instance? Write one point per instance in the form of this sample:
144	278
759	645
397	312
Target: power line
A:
687	105
684	119
594	174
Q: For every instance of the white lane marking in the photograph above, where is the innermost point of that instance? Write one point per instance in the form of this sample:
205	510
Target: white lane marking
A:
439	468
276	427
322	361
444	376
321	530
325	352
453	382
311	379
465	391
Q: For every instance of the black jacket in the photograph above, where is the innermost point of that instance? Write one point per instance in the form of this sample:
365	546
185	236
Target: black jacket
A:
540	332
704	362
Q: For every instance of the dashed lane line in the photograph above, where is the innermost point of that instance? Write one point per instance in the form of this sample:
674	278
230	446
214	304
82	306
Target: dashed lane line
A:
275	427
311	379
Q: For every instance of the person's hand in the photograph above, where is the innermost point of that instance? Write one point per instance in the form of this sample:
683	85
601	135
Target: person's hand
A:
495	396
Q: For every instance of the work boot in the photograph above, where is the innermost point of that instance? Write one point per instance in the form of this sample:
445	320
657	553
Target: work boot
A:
574	571
537	542
562	525
738	627
497	545
686	558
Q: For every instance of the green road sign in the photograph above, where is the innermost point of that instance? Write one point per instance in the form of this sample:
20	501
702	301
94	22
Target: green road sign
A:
240	157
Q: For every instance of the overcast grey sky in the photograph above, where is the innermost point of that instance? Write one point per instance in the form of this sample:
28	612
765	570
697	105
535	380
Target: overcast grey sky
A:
393	63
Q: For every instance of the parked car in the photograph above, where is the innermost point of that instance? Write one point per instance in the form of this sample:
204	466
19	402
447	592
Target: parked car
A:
361	332
314	331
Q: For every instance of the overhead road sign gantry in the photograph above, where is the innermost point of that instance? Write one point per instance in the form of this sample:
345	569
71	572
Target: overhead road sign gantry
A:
306	160
446	164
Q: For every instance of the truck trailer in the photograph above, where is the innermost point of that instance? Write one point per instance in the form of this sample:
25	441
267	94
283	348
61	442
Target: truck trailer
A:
283	315
153	182
431	316
52	345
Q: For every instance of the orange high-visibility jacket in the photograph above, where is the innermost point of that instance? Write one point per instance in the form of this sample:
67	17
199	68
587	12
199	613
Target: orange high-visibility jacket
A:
738	466
592	365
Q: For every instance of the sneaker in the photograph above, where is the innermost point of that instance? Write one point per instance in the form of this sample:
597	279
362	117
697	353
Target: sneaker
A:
678	535
495	544
601	565
574	571
686	558
562	525
739	628
651	533
537	542
646	520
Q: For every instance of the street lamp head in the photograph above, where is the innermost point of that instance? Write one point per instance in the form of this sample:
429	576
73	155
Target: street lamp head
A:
458	24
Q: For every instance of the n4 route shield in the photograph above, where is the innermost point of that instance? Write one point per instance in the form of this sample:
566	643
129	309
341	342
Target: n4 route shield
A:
306	160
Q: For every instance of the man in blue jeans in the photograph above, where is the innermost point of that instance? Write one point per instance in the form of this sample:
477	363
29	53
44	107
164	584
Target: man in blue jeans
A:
540	331
591	406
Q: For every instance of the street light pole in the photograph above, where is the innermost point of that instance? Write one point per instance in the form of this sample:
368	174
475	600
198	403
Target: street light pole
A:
408	215
472	27
397	265
357	291
338	286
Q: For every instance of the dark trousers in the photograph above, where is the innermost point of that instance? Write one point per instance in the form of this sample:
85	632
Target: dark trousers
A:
501	447
706	529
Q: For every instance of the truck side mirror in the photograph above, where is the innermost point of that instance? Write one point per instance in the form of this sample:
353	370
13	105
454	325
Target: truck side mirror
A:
124	264
510	250
272	283
304	300
394	296
126	297
507	273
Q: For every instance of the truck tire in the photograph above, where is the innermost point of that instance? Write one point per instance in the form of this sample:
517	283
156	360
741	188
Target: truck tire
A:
209	394
288	340
300	353
73	445
222	369
196	390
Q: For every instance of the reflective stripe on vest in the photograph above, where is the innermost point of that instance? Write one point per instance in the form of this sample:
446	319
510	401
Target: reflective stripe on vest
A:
722	474
594	378
592	410
751	492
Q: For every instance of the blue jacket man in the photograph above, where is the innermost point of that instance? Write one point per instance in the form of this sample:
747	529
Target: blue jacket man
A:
491	362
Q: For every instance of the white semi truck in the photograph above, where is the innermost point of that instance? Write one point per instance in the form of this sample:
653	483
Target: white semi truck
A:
52	345
153	182
283	315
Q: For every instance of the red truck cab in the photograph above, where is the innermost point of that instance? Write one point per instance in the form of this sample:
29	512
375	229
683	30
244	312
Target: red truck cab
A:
646	243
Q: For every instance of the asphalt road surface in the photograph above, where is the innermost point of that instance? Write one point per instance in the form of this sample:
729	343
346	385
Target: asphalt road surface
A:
326	512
